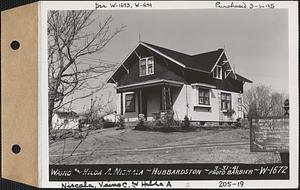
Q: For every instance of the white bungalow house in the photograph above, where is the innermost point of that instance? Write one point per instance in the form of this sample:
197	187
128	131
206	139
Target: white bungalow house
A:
65	120
153	79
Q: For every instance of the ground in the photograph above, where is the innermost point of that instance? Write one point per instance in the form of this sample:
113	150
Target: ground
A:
111	146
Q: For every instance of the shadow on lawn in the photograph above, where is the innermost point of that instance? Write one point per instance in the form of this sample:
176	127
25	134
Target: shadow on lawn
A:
166	129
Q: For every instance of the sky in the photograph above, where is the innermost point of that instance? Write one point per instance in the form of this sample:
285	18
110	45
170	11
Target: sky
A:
255	41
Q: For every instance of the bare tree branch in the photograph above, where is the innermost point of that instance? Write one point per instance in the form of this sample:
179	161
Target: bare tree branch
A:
261	101
70	38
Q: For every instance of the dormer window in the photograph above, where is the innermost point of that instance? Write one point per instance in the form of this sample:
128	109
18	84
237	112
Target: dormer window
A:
146	66
217	73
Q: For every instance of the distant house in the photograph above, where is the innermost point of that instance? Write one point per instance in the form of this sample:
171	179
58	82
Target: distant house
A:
65	120
153	79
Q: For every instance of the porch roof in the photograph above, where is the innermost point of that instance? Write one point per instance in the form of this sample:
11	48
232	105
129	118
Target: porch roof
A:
203	85
150	83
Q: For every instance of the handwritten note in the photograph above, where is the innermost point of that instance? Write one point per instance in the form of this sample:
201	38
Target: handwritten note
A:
244	5
228	171
150	5
112	184
122	5
269	135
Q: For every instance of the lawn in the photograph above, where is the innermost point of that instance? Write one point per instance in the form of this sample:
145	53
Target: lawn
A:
111	146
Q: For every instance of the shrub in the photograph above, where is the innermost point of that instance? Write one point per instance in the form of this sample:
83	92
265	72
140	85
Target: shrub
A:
61	134
165	123
202	123
158	122
121	122
238	123
108	124
186	122
141	123
94	126
168	120
225	124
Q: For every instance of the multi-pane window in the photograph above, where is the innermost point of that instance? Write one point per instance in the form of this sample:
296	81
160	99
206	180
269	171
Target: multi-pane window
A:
129	102
146	66
150	65
143	67
203	96
217	73
225	101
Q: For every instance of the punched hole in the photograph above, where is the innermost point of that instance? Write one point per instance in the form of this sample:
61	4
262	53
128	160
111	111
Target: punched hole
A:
16	149
15	45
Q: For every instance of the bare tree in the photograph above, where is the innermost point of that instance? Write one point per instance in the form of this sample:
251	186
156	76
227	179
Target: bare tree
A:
70	41
261	101
277	103
99	106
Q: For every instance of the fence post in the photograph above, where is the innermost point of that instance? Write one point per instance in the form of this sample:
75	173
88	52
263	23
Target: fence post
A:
284	156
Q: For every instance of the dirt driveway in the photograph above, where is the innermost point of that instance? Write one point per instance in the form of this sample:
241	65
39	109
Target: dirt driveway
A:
111	146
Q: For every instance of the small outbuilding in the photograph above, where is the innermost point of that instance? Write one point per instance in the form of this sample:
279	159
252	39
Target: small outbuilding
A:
65	120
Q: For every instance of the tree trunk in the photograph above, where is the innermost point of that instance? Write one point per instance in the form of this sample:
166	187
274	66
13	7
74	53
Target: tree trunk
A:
50	114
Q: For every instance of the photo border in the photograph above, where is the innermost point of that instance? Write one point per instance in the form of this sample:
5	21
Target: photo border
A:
90	5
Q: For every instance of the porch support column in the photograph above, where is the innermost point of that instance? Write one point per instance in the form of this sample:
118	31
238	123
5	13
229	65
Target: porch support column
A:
121	103
186	100
163	95
140	104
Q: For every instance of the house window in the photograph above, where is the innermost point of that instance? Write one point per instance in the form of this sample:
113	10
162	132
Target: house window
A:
217	73
130	102
146	66
225	101
142	67
203	96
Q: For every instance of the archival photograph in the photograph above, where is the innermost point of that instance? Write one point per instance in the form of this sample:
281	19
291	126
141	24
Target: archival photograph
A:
168	86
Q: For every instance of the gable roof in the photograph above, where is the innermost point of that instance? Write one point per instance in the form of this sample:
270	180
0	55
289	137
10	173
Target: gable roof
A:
203	62
67	115
241	78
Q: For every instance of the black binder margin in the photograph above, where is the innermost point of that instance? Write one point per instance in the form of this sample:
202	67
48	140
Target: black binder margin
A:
9	4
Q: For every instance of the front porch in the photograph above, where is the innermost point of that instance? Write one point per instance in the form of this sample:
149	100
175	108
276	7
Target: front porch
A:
150	98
